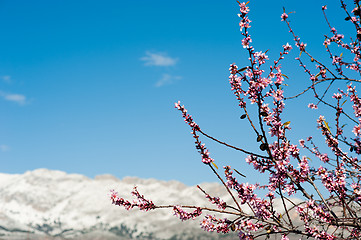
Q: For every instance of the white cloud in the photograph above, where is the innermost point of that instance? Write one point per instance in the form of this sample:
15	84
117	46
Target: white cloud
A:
17	98
158	59
166	80
4	148
6	78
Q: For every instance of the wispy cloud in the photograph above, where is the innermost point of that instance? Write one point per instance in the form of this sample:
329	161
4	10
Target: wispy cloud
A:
158	59
167	79
13	97
4	148
6	78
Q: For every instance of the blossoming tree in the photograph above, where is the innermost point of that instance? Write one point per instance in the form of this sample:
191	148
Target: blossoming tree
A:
329	188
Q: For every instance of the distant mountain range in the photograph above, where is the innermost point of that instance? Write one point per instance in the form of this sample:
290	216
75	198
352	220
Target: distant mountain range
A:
48	204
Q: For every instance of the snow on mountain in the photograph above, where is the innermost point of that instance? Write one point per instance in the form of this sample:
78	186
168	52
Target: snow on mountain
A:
58	205
49	204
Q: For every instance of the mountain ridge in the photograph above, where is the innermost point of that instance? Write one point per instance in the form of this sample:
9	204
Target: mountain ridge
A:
57	205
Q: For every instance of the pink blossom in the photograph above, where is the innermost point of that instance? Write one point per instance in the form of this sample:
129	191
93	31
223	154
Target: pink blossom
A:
327	42
211	224
284	237
288	172
287	47
140	202
278	95
244	23
284	16
304	168
337	95
302	46
245	236
243	8
246	41
357	130
279	78
261	57
206	159
312	106
215	200
183	215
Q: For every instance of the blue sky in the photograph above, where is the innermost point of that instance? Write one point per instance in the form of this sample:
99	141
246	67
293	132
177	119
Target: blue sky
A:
89	87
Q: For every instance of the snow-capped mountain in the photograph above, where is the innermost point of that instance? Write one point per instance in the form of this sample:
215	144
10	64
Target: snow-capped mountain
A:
48	204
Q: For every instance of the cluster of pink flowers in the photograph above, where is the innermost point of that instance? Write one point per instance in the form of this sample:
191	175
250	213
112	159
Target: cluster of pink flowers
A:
140	202
215	200
355	100
183	215
319	234
312	210
187	118
245	235
261	57
337	38
211	224
304	169
334	182
243	8
289	172
244	23
236	85
261	207
331	141
356	190
284	16
322	156
248	226
206	159
116	200
312	106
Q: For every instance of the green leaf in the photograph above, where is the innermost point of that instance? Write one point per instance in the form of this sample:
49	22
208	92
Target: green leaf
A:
215	165
286	123
285	76
326	124
242	69
317	75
